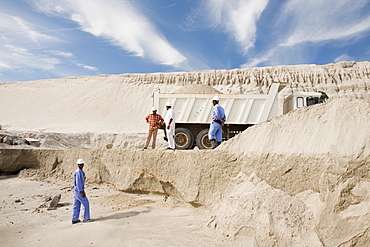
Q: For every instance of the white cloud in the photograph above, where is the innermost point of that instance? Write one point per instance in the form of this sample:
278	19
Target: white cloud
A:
238	18
21	31
323	20
20	45
88	67
4	66
30	33
119	22
343	57
258	60
302	22
14	57
61	53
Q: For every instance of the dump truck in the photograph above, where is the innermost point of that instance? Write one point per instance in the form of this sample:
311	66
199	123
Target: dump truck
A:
194	113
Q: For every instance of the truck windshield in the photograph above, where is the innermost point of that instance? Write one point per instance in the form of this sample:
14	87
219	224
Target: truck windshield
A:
312	101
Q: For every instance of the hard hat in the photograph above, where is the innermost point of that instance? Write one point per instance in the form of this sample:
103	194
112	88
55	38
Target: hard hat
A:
216	98
169	104
154	109
80	161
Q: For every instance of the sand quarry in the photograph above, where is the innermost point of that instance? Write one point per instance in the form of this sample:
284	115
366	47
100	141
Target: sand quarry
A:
301	179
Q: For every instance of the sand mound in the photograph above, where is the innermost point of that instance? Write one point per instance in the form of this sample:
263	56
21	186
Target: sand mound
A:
306	169
254	210
79	105
341	127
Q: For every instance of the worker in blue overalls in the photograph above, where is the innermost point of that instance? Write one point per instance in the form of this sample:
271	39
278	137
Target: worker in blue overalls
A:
218	120
80	195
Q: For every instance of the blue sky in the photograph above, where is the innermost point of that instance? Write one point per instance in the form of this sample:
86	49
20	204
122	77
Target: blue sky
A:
41	39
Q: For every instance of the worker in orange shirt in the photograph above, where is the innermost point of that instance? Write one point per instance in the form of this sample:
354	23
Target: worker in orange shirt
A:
154	120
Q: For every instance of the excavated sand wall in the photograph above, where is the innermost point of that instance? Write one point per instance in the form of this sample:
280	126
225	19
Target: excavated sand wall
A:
257	199
338	78
195	174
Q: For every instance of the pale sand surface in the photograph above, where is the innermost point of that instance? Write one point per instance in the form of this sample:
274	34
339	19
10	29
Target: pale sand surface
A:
119	103
121	219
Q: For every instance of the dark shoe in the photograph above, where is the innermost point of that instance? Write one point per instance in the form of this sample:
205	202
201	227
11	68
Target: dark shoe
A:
145	148
214	143
89	220
75	221
170	148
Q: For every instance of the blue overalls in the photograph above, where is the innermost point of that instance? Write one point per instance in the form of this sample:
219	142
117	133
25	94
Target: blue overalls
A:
79	185
215	129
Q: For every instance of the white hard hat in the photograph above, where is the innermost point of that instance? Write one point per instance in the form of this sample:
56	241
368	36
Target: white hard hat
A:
216	98
80	161
168	104
154	109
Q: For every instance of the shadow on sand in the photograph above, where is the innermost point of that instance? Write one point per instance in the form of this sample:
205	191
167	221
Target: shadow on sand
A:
118	216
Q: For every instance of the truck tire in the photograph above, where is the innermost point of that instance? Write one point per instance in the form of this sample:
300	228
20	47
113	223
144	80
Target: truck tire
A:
184	139
202	140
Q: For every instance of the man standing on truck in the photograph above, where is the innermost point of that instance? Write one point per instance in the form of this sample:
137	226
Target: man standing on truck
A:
170	126
218	120
154	120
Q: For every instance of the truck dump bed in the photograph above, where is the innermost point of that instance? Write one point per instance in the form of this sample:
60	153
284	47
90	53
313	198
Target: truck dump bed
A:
239	108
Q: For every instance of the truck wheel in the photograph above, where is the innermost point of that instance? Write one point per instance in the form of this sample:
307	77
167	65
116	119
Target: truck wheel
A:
202	140
184	139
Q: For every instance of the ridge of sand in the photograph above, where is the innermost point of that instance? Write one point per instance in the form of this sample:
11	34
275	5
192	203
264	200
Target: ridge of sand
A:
197	88
119	103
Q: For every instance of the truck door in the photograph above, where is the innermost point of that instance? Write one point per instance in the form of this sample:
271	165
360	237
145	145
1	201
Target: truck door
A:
300	102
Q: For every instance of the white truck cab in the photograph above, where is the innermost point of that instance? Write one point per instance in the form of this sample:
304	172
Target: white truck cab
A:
300	99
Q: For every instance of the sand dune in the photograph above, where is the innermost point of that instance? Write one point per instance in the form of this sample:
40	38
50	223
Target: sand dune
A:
118	103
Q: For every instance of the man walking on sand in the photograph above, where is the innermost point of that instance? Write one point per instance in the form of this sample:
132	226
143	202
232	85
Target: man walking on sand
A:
170	126
154	120
218	120
80	195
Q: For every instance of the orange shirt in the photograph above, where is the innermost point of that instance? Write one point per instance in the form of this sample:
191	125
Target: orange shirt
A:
154	120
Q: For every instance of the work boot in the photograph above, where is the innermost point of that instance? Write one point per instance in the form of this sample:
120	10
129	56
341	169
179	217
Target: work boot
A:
214	143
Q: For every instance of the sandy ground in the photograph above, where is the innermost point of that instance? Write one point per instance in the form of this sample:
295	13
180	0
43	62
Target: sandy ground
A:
121	219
